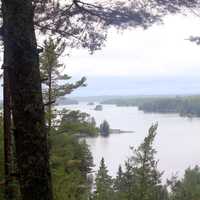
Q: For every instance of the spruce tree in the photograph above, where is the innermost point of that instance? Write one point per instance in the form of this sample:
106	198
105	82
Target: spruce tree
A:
119	180
103	183
128	181
105	128
188	188
120	185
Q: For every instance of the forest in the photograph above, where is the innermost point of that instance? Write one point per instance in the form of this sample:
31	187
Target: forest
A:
71	167
43	154
188	106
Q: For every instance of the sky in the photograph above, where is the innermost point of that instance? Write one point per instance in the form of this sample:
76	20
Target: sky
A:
159	60
156	61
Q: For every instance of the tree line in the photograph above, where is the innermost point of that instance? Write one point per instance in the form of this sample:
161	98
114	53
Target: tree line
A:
140	178
78	24
183	105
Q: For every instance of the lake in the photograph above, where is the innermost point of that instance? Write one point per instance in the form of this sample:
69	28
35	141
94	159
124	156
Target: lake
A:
177	141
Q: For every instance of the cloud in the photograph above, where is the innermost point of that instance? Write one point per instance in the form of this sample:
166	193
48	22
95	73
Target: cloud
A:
162	50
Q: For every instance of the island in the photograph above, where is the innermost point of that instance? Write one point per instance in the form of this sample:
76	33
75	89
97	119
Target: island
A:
105	129
98	108
90	104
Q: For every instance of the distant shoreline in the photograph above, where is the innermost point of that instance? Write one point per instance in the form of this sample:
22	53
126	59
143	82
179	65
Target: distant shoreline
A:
185	106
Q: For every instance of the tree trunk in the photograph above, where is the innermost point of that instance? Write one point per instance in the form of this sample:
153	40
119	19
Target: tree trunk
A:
49	99
7	136
21	59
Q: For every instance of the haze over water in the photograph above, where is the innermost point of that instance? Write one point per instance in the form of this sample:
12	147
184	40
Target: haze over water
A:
177	140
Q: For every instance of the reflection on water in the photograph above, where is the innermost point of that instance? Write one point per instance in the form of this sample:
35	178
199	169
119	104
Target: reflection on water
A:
177	141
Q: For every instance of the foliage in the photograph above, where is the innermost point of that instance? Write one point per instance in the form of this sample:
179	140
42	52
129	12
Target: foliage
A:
84	24
51	71
146	176
66	101
188	188
20	41
103	182
123	183
140	179
55	83
184	105
76	122
71	161
105	128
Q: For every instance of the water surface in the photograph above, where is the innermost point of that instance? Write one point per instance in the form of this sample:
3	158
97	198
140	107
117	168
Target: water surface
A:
177	141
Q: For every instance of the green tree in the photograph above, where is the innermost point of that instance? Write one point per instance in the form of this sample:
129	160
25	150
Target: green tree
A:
73	20
147	178
71	161
121	186
125	185
55	83
188	188
103	183
86	159
76	122
119	180
105	128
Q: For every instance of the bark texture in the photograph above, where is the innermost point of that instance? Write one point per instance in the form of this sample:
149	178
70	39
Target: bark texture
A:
22	62
7	137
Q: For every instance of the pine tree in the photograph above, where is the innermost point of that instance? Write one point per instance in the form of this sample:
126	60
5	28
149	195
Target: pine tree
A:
141	178
72	20
55	83
103	182
147	182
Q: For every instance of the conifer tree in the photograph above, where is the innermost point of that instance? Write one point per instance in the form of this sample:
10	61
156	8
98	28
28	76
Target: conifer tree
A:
73	20
105	128
55	83
188	188
120	185
141	178
144	167
128	181
119	179
103	182
86	158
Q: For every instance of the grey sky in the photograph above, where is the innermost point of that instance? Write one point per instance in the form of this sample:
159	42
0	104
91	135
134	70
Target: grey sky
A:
139	55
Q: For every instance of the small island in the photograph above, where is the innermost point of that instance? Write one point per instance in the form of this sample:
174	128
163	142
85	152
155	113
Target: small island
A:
98	108
90	104
105	129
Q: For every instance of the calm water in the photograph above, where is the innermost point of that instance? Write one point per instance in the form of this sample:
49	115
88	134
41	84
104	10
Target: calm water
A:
177	141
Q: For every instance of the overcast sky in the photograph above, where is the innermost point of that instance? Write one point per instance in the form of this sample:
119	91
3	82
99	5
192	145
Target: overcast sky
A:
159	60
